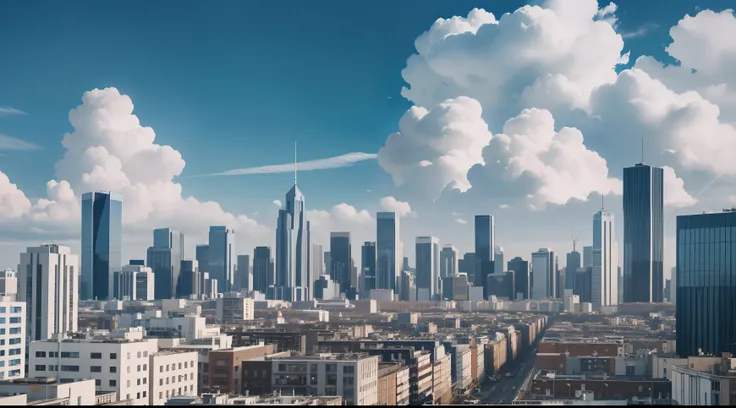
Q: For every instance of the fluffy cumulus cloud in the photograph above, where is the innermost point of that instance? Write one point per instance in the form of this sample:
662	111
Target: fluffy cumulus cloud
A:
402	208
531	160
342	218
277	203
109	150
436	148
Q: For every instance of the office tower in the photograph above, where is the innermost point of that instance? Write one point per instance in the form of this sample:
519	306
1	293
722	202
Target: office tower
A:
102	235
673	286
485	242
428	267
388	250
221	258
584	284
502	285
448	261
292	240
48	283
498	260
318	261
189	278
706	284
455	287
307	279
559	280
340	254
263	269
8	283
620	277
164	258
587	257
543	265
521	277
368	269
572	266
13	344
134	282
604	283
643	233
467	265
202	257
328	263
243	280
407	286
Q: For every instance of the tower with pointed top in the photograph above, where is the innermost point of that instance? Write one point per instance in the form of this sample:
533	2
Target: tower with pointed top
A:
293	281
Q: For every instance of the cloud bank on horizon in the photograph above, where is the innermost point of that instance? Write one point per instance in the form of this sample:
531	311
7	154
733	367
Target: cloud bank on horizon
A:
526	111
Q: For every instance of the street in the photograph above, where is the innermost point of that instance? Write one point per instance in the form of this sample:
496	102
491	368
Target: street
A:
504	391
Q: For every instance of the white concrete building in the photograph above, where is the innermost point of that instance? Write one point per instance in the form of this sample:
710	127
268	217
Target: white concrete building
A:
498	264
448	261
543	264
354	376
134	282
234	308
156	322
172	373
118	362
463	367
703	383
12	338
604	280
8	283
49	285
37	390
569	301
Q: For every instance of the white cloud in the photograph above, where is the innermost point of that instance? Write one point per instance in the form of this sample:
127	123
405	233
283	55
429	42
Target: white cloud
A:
460	221
402	208
11	143
342	217
336	162
675	194
13	203
10	111
109	150
277	203
435	148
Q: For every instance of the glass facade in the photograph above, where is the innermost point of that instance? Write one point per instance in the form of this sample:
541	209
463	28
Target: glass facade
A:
428	264
102	230
485	235
164	258
521	276
571	267
387	250
340	257
368	268
221	258
263	269
706	283
643	233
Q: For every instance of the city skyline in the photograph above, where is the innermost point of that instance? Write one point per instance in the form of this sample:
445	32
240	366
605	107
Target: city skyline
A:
427	188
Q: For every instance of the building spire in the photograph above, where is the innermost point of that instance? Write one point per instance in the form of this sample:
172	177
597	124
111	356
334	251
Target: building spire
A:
295	162
642	150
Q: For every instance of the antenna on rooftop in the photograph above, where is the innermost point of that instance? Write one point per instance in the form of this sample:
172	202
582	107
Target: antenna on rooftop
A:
295	162
642	150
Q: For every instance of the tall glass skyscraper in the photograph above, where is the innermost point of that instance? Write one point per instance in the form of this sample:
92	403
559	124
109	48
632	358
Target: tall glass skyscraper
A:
292	240
388	250
102	235
263	269
221	258
485	244
427	267
448	261
604	281
521	277
643	233
543	268
706	284
571	267
340	256
368	269
164	258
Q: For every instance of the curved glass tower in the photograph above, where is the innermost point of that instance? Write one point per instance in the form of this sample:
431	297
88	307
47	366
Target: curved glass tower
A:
102	231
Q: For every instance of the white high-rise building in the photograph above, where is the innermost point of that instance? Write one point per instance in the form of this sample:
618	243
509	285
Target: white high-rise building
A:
49	284
12	338
604	280
8	283
134	282
543	268
292	240
427	267
448	261
498	264
389	258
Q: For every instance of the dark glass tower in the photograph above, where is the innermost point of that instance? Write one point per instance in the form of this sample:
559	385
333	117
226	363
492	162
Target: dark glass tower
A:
368	268
102	232
521	276
164	258
485	236
571	268
706	283
263	269
643	233
340	251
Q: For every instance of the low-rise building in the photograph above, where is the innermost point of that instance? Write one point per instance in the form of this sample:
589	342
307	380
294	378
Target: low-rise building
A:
225	366
393	384
172	373
232	307
711	385
37	390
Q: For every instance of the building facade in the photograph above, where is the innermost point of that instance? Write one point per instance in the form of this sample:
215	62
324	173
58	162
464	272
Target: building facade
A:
388	250
543	268
522	283
12	338
263	269
134	282
485	244
427	267
221	257
448	261
604	281
368	269
292	243
341	259
102	235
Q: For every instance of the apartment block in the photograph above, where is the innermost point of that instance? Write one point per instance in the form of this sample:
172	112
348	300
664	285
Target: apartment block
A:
172	374
233	308
225	366
393	384
12	338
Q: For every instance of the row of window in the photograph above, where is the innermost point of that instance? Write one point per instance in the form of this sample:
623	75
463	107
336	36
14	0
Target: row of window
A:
13	320
174	379
73	354
11	352
173	366
13	309
161	393
15	340
12	330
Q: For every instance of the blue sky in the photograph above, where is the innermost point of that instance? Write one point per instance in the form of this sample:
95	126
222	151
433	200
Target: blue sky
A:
232	84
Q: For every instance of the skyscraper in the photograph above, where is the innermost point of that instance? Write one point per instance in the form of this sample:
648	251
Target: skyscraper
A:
292	240
604	281
427	267
243	277
202	257
485	243
521	277
340	253
572	266
448	261
587	257
190	279
221	257
543	265
49	286
498	260
134	282
706	284
263	269
368	269
318	261
102	235
388	250
164	258
468	265
643	233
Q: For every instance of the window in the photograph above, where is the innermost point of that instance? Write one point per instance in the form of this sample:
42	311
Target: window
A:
127	383
138	381
179	363
185	364
95	369
40	368
2	309
160	394
70	368
98	382
348	370
160	381
69	354
191	376
2	320
144	394
14	363
113	383
128	355
145	380
15	309
160	369
138	368
14	330
145	367
2	331
95	356
14	320
145	354
113	369
53	368
139	354
128	369
53	354
113	356
14	352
